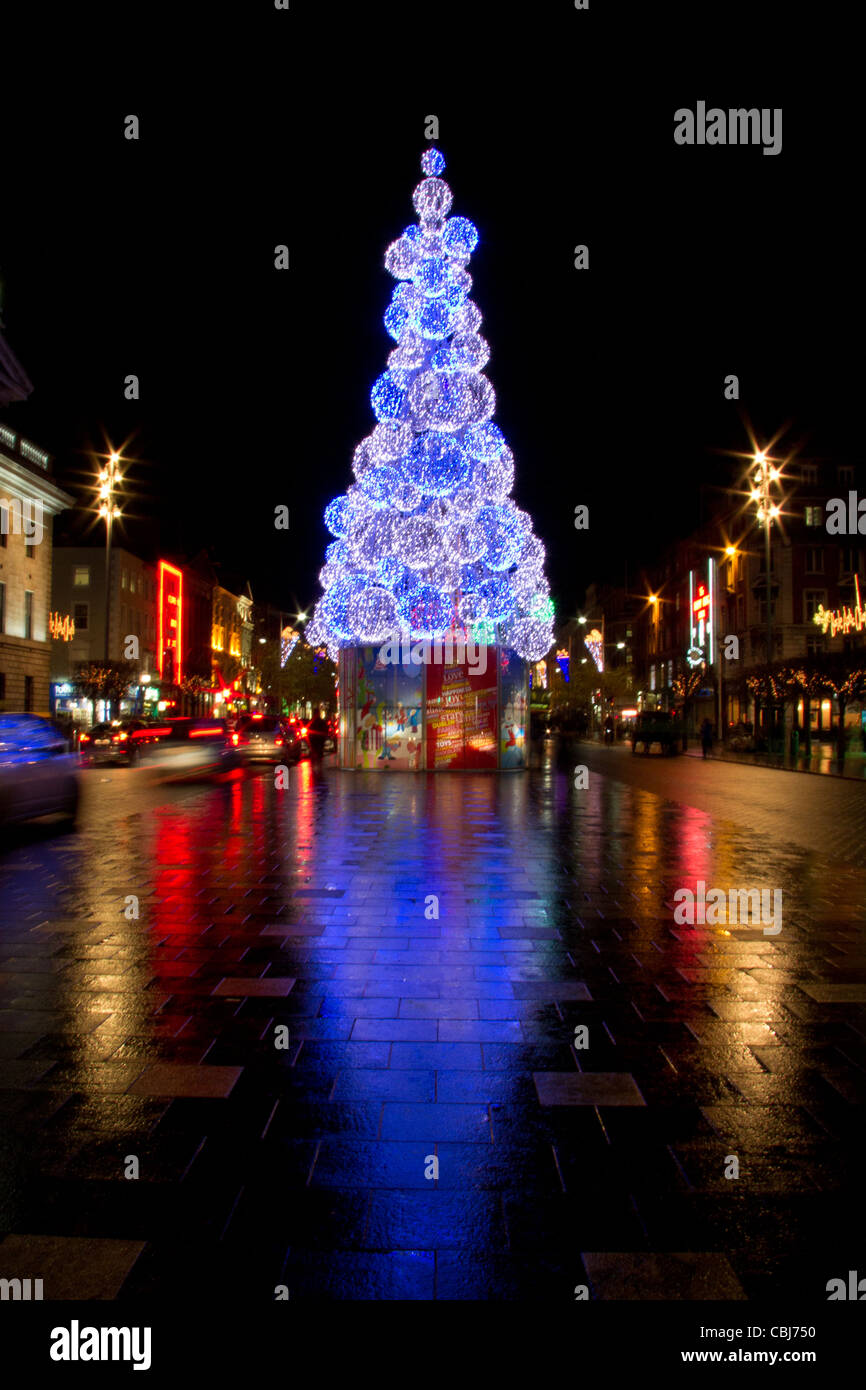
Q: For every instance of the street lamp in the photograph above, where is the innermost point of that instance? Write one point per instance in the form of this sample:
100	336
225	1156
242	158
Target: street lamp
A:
766	475
109	479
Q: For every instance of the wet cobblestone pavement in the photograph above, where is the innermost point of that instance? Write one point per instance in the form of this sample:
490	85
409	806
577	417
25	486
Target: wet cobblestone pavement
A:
307	917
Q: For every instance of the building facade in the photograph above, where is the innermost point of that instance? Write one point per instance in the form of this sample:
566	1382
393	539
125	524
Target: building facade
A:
29	501
79	610
696	622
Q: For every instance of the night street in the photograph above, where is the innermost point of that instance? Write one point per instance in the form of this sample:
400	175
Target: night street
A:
412	1035
432	694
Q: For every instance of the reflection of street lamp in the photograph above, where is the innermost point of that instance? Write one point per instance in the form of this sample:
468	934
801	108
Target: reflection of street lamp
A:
109	479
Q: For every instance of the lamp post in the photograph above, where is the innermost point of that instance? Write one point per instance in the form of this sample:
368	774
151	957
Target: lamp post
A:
109	479
766	509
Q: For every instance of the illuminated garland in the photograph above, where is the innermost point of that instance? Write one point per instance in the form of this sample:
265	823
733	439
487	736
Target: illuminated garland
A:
428	538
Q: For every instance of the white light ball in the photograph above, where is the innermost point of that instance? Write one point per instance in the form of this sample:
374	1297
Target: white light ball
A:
431	200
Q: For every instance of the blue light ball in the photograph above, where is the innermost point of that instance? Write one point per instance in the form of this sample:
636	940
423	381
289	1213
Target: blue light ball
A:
432	277
437	465
460	236
426	609
338	515
435	320
432	162
396	320
386	398
485	442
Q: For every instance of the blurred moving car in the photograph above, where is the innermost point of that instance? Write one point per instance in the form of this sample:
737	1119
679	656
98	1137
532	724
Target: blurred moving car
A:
121	741
265	738
656	731
187	744
37	770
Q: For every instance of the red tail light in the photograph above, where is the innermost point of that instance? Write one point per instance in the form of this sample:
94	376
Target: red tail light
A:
235	739
303	733
85	738
278	742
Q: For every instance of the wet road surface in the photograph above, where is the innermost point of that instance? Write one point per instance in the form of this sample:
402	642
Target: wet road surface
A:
435	1036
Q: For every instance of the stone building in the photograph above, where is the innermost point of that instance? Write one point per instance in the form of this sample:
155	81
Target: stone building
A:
29	501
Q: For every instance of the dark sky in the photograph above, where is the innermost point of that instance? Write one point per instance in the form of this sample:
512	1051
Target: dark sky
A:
156	258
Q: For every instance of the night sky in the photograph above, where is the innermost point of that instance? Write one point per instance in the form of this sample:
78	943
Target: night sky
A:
156	258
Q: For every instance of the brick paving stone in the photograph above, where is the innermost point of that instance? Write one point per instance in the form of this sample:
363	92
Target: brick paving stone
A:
70	1267
455	1038
693	1276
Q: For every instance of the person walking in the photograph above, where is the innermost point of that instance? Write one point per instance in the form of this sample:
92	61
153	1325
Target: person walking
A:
317	732
707	737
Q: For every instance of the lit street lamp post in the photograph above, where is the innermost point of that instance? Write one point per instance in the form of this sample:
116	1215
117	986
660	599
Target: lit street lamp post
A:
766	510
109	479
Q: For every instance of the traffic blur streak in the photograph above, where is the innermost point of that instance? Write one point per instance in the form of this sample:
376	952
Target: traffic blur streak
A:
183	745
38	773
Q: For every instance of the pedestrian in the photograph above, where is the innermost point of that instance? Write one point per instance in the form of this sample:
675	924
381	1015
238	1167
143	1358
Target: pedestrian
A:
706	737
317	732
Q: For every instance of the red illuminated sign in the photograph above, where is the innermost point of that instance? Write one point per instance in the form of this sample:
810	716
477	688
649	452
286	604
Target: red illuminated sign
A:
170	623
701	604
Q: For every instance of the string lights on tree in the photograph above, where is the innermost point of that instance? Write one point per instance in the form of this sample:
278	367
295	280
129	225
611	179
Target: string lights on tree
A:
428	539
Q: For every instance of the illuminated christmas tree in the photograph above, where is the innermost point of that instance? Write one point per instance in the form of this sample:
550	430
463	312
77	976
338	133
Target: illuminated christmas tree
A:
428	539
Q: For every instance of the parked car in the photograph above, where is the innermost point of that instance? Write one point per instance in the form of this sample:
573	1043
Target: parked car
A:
38	772
120	741
656	731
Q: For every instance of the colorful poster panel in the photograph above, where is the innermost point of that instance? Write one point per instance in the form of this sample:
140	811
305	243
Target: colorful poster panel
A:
461	712
388	704
515	710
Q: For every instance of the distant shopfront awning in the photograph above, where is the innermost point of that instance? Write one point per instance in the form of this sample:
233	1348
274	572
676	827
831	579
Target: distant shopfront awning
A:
15	385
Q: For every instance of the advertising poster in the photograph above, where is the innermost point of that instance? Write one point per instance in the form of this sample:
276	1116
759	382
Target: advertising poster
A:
388	705
513	718
461	713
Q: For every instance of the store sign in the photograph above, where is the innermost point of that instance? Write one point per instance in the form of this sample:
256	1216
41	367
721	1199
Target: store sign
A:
61	627
842	620
701	608
170	623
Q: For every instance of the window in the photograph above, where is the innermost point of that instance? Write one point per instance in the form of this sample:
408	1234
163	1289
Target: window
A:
28	616
809	472
79	616
28	694
132	581
813	599
763	607
2	607
2	685
846	474
741	612
81	576
29	550
815	644
849	560
124	578
814	516
814	560
3	540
